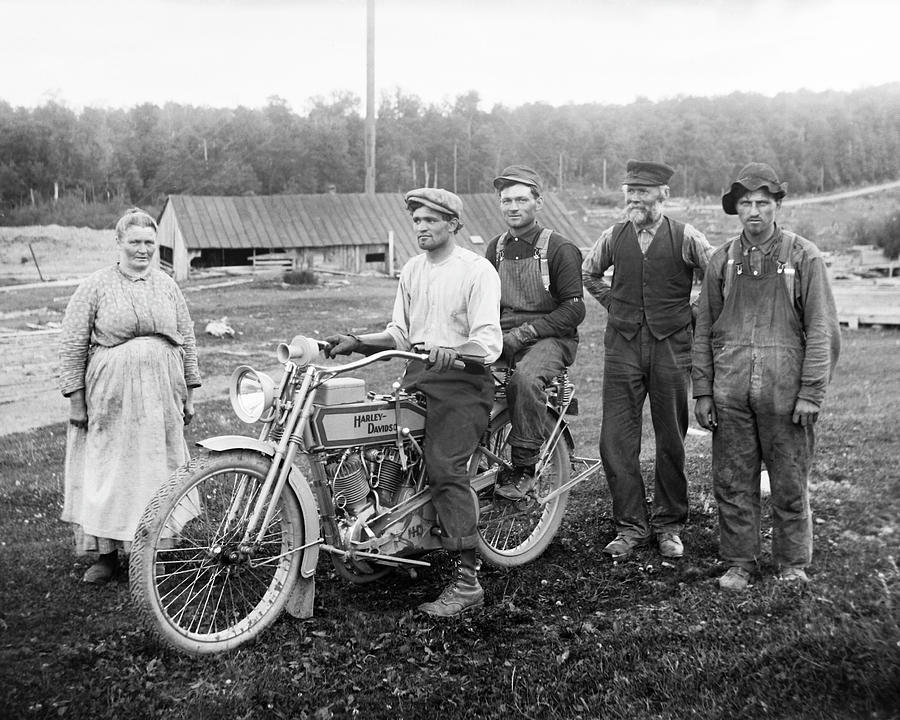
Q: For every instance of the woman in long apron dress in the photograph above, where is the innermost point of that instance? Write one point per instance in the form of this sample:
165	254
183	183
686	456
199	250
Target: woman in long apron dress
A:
128	364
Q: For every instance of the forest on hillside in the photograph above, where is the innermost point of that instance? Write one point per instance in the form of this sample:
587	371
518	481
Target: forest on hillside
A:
818	142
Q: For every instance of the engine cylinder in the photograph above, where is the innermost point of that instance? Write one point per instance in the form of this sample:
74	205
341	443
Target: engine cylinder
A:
389	473
349	484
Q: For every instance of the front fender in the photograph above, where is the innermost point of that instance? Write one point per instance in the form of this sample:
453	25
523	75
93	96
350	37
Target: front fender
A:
224	443
299	484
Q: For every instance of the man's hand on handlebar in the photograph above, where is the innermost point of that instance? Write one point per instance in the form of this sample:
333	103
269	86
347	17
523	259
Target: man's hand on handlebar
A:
341	345
442	358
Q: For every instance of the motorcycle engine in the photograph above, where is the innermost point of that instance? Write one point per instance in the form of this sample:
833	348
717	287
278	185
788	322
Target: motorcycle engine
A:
353	477
350	487
386	472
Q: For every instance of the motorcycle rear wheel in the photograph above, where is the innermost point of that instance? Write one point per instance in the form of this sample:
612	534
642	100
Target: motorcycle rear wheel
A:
512	534
194	585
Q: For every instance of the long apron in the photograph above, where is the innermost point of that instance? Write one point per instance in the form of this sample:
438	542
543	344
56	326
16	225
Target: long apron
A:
758	350
135	395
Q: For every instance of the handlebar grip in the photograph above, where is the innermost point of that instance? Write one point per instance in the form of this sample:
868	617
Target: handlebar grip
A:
477	360
470	363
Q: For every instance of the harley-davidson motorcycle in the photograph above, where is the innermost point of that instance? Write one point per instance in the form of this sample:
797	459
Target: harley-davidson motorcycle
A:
234	536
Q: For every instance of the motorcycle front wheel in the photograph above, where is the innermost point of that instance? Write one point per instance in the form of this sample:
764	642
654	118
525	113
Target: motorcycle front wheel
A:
515	533
196	584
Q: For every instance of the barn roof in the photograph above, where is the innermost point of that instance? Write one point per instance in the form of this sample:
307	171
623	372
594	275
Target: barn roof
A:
329	220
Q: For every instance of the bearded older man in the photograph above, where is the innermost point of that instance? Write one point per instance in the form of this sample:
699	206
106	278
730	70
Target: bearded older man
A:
647	352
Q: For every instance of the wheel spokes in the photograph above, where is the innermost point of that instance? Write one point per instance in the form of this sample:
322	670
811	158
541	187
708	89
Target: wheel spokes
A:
207	581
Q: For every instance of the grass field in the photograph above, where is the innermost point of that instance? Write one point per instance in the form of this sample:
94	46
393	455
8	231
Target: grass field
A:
569	636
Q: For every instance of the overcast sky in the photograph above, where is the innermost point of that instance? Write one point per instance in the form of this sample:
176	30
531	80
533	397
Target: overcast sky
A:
221	53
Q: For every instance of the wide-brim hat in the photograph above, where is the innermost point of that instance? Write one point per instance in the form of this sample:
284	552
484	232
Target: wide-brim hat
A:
518	174
438	199
640	172
753	176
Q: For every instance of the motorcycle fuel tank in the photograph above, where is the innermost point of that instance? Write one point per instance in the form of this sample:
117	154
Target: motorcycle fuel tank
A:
361	423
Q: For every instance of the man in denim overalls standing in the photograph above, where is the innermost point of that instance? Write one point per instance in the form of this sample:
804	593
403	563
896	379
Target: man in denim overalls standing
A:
541	306
767	340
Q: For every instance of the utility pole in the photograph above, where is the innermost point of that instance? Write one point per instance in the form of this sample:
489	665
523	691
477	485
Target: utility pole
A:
370	97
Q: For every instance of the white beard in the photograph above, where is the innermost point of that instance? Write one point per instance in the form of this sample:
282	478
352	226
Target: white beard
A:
643	216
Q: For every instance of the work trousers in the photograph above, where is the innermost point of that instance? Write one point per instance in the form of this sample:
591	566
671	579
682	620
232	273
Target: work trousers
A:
743	439
535	368
634	369
459	406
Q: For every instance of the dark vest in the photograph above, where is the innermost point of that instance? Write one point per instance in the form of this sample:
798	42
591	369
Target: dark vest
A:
655	286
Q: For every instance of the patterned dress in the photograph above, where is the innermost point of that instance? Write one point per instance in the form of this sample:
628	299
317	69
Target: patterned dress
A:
128	342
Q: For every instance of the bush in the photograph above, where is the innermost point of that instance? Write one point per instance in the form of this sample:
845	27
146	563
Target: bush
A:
887	236
806	228
883	232
299	277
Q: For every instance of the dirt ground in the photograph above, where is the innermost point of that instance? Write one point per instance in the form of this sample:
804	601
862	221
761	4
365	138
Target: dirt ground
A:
52	252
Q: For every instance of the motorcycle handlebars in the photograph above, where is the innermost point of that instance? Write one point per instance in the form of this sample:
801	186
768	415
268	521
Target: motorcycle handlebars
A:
303	350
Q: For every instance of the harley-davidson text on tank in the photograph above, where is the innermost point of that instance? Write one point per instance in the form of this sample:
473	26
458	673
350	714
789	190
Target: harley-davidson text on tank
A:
355	423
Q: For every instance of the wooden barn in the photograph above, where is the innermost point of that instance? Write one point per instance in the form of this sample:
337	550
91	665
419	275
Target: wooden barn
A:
349	232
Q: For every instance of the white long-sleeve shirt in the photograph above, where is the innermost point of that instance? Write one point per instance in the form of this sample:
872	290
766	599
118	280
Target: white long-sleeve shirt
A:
448	304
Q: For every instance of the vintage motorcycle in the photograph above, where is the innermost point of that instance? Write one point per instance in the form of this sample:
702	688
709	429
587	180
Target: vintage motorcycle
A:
234	536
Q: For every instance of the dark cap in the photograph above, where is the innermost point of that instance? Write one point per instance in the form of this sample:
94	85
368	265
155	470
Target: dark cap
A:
638	172
438	199
518	174
752	176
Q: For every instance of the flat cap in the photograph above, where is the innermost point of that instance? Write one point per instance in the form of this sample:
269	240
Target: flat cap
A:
438	199
639	172
752	176
518	174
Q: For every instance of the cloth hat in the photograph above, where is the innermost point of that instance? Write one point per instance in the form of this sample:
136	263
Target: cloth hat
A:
438	199
638	172
518	174
752	177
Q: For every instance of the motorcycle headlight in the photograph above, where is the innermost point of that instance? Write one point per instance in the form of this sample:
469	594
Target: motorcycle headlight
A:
251	393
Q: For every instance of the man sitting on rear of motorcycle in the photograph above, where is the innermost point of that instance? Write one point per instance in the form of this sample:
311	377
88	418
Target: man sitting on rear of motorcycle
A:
541	306
448	303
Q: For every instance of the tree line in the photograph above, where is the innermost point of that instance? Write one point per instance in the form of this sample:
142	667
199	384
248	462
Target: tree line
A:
818	141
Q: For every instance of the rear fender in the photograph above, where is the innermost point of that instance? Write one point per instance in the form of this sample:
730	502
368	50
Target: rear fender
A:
298	482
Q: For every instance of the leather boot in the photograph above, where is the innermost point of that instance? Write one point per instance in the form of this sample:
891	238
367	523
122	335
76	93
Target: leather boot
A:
463	593
103	570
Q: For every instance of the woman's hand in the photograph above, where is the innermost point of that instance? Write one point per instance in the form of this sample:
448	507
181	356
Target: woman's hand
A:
189	406
78	416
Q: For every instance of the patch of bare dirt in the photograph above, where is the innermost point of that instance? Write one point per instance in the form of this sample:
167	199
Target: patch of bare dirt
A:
53	252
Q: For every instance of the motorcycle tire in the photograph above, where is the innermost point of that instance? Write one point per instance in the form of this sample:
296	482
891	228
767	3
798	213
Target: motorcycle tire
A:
514	533
192	583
